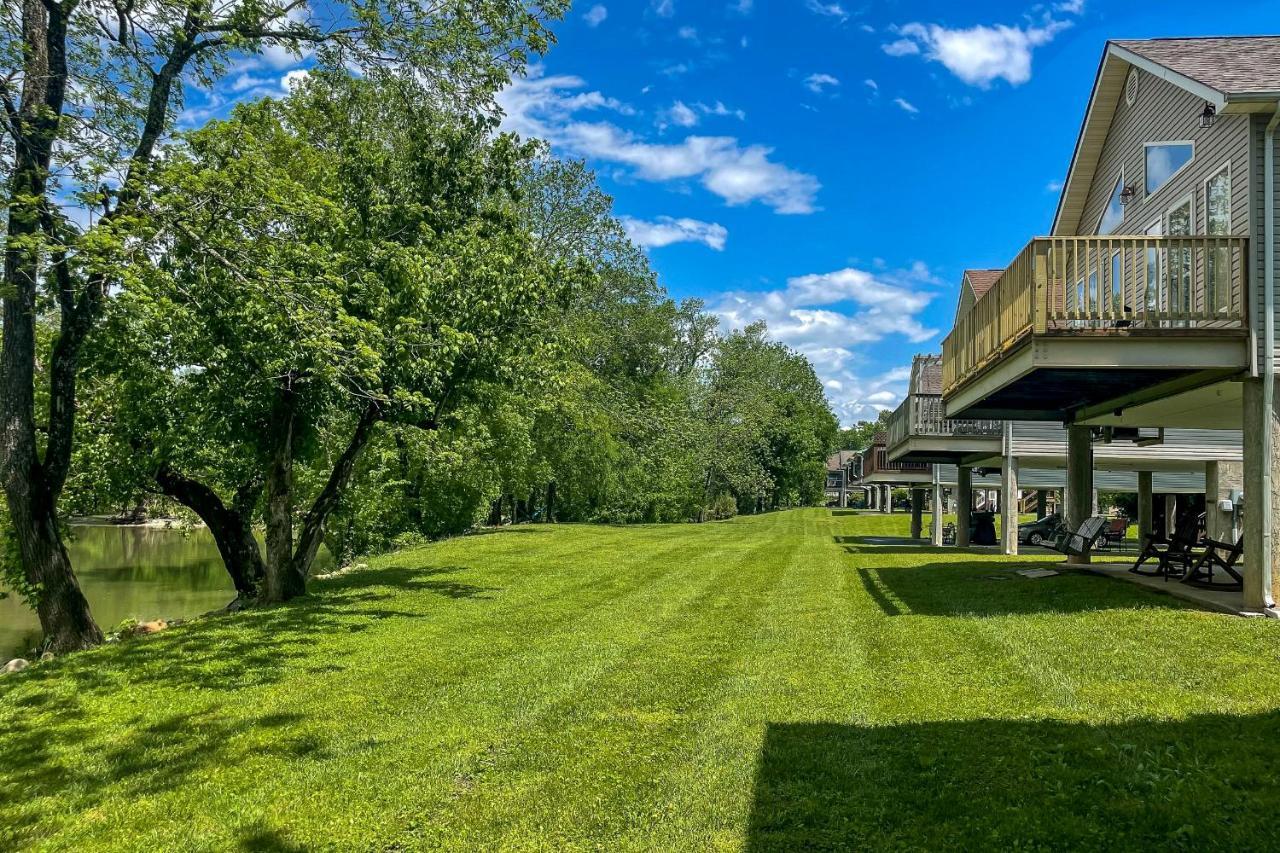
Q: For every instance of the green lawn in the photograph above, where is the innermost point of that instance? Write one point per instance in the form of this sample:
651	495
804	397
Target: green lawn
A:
771	683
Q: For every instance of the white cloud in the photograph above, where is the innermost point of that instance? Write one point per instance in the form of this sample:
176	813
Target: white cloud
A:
1053	187
829	317
666	230
817	82
663	8
831	10
596	15
681	114
978	55
719	109
1070	7
906	105
688	33
901	47
871	84
742	7
292	78
548	108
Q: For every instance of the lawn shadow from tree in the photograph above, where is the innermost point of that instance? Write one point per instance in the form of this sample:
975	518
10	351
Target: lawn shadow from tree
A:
990	588
1206	782
48	748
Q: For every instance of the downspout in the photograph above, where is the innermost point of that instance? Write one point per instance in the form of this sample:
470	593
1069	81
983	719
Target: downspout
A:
1269	344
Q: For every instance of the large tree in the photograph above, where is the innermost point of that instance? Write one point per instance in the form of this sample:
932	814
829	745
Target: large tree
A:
343	259
89	90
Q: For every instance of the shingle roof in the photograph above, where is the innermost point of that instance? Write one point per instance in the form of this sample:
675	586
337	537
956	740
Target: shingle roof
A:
838	460
926	374
1234	66
982	280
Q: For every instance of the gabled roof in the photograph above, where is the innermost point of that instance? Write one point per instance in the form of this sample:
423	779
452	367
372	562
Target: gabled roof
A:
1237	74
926	375
982	280
1230	66
838	460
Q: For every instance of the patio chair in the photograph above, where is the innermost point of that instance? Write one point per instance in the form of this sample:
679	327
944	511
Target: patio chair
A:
1114	533
1217	555
949	534
1080	542
1173	555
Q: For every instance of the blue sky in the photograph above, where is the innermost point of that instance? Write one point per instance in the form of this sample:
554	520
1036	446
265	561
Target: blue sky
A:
829	167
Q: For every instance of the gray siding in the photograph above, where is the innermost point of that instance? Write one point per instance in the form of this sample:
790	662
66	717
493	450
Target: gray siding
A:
1165	113
1041	438
1258	242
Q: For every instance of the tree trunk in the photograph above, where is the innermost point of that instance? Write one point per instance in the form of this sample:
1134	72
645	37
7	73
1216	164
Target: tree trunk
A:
232	527
31	488
551	503
325	503
495	513
282	583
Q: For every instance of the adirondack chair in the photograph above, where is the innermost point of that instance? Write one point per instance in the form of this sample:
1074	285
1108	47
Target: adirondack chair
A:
1082	541
1115	531
1173	555
1217	555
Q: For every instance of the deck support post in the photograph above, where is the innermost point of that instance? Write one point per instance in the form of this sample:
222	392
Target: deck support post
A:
1260	552
888	498
964	504
1079	480
1146	506
917	513
935	523
1009	507
1042	504
1220	480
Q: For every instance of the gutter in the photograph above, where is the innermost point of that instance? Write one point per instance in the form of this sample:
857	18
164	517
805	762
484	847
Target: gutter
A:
1269	343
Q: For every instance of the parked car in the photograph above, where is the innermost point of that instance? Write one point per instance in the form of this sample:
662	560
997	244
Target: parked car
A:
1039	532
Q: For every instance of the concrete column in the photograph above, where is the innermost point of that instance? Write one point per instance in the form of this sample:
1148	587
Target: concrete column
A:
1146	506
935	526
1220	480
1170	514
1042	503
1079	479
917	513
964	504
888	498
1009	507
1261	557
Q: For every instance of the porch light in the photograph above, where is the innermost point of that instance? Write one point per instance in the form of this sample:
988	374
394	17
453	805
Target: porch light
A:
1209	115
1128	194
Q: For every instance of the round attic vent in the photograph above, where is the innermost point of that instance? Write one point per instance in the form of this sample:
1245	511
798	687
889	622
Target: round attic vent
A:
1131	87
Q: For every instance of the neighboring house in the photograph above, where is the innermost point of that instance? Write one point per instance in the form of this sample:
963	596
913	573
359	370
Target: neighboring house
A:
1152	302
1149	462
838	475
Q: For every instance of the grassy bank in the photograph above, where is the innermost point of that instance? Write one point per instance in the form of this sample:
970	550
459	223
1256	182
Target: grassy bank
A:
765	683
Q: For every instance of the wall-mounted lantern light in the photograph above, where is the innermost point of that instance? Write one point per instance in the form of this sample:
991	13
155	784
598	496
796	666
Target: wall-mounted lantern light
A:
1209	115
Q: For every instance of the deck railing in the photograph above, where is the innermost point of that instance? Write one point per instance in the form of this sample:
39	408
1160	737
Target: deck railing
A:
924	415
1102	285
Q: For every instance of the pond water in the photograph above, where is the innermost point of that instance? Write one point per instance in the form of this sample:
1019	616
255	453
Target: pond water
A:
133	572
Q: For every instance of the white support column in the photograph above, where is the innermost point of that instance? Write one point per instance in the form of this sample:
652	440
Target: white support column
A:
1009	496
1260	552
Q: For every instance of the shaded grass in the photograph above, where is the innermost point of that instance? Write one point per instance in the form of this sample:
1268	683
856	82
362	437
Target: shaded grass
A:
768	683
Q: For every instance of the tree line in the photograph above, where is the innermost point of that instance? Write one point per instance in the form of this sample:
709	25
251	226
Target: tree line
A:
354	317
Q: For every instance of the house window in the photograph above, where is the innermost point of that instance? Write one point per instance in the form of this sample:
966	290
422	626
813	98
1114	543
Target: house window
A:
1217	202
1114	214
1164	160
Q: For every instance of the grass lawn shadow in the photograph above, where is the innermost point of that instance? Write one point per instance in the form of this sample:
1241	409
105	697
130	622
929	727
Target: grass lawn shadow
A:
1201	783
990	588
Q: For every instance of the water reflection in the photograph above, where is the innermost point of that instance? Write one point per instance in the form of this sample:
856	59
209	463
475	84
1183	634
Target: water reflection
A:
133	572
